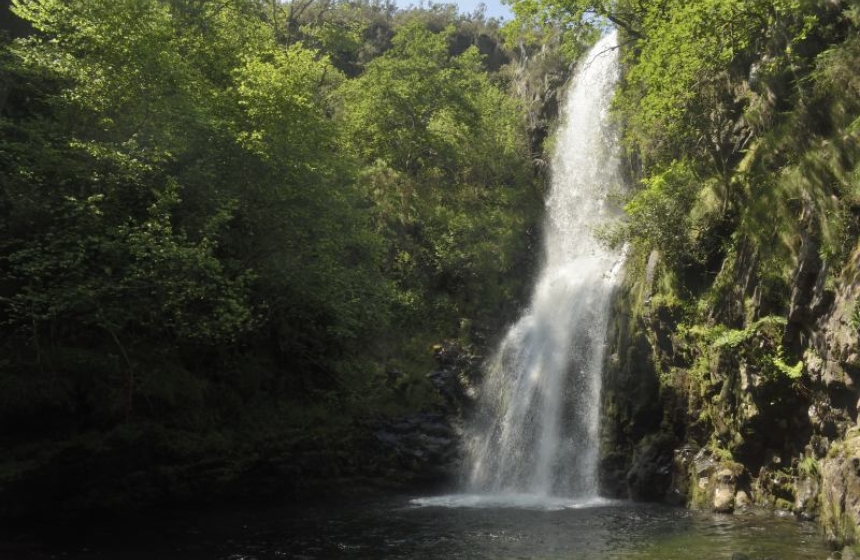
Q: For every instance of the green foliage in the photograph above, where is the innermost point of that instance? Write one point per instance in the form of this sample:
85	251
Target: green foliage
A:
702	46
237	217
659	214
759	345
176	185
791	372
577	19
732	338
809	467
446	159
179	128
540	24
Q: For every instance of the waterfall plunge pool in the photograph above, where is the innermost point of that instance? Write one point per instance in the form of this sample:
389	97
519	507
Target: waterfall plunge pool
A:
438	528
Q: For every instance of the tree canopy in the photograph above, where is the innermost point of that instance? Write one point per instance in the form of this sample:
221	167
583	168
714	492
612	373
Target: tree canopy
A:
222	222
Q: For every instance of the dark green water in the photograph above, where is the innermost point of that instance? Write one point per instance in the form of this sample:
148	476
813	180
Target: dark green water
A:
396	528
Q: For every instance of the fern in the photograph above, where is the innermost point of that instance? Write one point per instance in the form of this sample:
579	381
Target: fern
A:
735	337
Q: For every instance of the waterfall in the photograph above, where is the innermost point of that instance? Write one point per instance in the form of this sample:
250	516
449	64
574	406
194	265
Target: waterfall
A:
537	427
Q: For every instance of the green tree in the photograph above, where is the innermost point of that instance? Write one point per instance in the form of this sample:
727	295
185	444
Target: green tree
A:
177	182
447	160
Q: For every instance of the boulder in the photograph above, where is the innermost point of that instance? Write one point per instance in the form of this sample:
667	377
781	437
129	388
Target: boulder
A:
742	500
724	491
713	482
806	498
679	488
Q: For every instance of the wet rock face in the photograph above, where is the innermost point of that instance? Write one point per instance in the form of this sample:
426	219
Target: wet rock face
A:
456	377
651	472
741	431
680	488
834	349
840	491
424	445
775	487
636	456
834	362
425	448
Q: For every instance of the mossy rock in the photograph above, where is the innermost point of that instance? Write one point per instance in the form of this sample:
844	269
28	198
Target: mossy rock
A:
840	491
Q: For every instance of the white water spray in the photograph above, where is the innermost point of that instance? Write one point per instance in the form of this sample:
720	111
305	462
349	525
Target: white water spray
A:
538	425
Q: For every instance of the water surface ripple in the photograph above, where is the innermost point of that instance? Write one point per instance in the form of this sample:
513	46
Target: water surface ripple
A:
442	528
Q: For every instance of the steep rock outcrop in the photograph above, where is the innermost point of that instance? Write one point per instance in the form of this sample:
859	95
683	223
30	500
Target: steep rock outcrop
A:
840	491
739	423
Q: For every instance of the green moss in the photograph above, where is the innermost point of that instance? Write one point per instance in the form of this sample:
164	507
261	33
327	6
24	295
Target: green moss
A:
855	315
783	504
724	456
699	497
809	467
836	449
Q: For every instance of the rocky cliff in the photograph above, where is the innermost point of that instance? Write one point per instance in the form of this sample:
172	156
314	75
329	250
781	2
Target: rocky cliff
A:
733	373
723	419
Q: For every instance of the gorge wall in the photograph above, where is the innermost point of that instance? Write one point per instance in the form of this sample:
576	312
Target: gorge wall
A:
732	375
719	426
721	419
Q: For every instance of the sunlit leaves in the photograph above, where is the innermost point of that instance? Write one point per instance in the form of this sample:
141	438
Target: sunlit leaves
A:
278	92
447	166
659	214
173	133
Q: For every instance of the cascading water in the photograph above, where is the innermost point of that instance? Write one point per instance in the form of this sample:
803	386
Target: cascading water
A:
537	429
